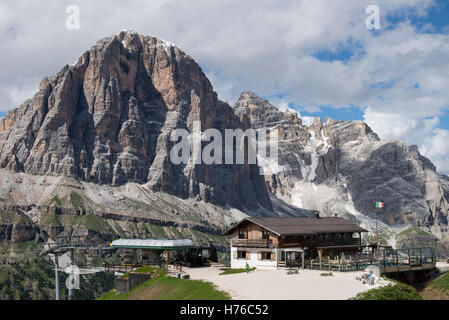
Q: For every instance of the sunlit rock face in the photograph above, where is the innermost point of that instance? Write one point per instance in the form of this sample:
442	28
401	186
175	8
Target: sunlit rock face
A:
107	119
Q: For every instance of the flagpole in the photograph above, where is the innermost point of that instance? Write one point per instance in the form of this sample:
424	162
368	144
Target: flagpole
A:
377	237
379	205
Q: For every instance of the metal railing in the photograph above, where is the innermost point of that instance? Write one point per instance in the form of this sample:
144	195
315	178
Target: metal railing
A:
389	260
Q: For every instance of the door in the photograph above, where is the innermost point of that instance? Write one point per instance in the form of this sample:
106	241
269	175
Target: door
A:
293	259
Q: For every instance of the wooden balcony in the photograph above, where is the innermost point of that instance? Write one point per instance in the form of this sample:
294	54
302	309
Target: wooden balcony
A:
313	243
251	243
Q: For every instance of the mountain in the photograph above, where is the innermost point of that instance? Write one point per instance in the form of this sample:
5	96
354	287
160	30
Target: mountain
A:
343	168
107	119
89	154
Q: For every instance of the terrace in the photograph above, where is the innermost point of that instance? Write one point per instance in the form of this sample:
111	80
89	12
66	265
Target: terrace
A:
389	260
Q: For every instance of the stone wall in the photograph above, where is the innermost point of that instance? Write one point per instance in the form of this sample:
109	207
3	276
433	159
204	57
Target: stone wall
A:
123	285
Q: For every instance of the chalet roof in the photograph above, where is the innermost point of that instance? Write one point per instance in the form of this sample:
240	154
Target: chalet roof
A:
284	226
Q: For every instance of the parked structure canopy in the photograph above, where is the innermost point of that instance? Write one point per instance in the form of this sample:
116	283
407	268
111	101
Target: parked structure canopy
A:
161	244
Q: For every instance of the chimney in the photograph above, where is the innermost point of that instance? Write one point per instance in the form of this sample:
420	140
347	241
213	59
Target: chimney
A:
317	215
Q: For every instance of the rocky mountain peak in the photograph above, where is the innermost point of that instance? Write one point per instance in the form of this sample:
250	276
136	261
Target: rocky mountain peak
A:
344	168
107	119
250	99
250	107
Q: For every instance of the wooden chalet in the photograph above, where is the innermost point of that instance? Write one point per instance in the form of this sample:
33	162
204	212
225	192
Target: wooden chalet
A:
292	241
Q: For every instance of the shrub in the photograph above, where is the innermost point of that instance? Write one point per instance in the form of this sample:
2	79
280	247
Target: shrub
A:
398	291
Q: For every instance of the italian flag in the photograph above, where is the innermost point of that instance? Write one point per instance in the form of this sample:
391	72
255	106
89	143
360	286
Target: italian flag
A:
379	204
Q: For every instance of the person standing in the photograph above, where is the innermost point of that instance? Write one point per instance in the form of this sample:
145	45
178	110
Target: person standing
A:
247	267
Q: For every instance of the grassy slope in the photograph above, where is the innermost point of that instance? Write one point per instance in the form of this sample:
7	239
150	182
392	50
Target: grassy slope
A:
397	291
8	218
414	237
76	200
169	288
107	230
442	283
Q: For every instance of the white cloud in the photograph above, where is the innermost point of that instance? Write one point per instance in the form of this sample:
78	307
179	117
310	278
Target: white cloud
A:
4	19
283	105
437	149
424	132
256	45
398	126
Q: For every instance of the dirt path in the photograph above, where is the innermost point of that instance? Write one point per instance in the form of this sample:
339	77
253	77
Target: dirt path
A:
430	293
434	293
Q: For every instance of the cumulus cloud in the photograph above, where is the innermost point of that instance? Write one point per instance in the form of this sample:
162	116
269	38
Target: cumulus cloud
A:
283	105
424	132
259	45
437	149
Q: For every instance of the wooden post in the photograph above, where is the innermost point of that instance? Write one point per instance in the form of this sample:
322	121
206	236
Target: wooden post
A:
56	277
320	256
329	259
409	263
377	242
302	260
339	263
168	258
420	256
397	260
277	260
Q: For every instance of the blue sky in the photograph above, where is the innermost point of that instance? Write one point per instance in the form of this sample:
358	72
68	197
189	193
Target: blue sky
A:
395	110
434	21
444	121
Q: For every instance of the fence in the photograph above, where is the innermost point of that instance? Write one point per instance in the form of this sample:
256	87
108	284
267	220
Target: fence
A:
389	260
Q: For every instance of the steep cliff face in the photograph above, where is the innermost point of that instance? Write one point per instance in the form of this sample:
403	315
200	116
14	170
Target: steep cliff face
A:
107	119
344	168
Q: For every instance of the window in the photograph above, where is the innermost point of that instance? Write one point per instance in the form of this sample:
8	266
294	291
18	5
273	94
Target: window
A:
242	234
266	255
265	234
241	254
